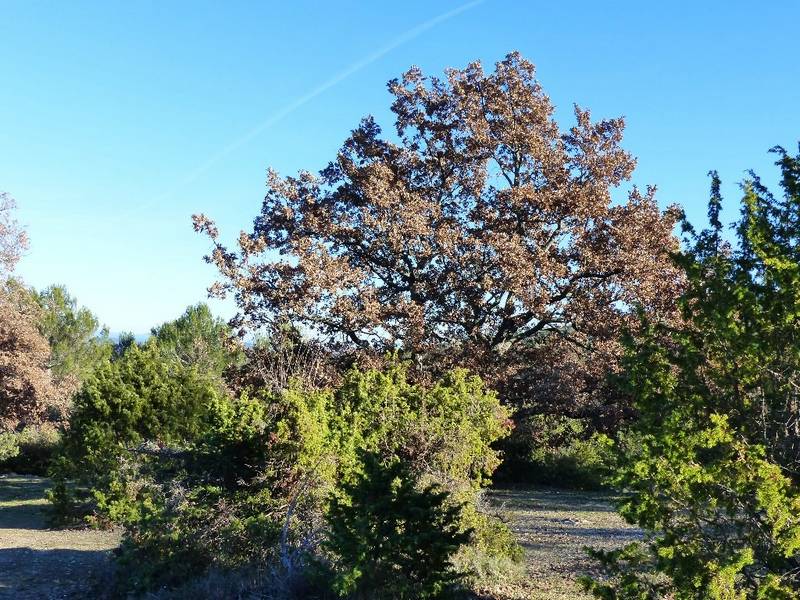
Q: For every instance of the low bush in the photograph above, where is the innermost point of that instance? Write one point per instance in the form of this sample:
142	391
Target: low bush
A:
122	407
558	451
390	539
203	480
254	481
251	582
9	447
29	451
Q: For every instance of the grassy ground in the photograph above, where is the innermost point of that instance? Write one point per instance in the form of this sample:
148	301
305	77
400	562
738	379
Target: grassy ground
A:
41	563
553	526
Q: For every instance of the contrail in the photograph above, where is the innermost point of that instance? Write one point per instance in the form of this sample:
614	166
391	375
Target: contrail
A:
357	66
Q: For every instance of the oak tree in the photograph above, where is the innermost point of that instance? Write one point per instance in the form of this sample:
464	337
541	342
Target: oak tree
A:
481	235
26	383
13	240
26	386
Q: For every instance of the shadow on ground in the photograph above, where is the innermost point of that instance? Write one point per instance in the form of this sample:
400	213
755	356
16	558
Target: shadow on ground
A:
26	573
41	563
553	499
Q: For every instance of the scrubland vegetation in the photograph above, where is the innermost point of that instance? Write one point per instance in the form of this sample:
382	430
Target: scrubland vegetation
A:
457	303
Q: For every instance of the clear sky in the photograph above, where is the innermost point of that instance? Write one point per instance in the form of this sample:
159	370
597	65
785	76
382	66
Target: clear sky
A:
118	120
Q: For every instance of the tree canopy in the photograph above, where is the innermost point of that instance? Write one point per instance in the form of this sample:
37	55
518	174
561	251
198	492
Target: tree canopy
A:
199	339
78	344
481	231
26	386
13	240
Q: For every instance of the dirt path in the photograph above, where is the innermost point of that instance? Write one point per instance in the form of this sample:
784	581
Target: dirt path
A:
553	527
41	563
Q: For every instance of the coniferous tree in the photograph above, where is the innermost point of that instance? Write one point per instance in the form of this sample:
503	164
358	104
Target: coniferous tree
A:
78	343
392	540
712	467
198	339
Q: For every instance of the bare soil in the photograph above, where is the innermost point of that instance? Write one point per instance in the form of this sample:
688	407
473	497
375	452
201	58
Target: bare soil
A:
554	526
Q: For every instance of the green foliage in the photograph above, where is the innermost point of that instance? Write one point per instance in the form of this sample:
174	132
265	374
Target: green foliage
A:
78	344
28	451
124	405
446	431
390	539
202	479
711	467
125	340
558	451
274	458
222	501
446	434
140	397
492	539
632	573
197	339
9	447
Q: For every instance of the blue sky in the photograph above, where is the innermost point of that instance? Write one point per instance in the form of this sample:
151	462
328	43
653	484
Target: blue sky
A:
118	120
